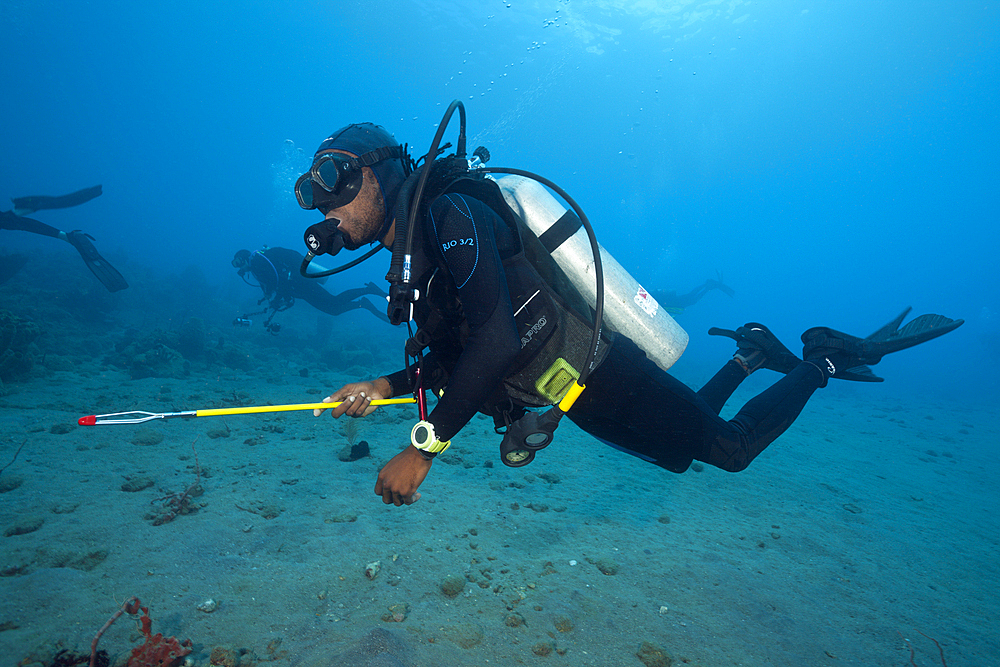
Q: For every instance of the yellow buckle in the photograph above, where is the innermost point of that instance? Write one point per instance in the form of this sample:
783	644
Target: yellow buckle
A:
557	380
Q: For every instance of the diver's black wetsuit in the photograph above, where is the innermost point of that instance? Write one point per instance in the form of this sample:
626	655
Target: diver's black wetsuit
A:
11	264
277	272
629	403
102	270
8	220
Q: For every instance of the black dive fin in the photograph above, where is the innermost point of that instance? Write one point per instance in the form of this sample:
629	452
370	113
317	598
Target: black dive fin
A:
865	352
859	374
891	338
864	373
99	266
28	205
759	348
891	328
722	287
926	327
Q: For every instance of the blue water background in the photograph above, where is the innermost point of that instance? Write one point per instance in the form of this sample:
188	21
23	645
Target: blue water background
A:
836	162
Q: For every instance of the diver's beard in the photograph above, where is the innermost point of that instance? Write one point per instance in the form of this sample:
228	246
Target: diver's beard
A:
349	243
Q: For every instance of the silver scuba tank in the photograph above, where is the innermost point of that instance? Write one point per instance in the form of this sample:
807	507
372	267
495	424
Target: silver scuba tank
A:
628	308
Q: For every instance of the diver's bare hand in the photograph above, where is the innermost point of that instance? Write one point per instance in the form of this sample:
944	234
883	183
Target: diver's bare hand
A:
399	480
356	398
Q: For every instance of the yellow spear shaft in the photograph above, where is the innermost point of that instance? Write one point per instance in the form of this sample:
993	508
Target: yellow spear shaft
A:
139	416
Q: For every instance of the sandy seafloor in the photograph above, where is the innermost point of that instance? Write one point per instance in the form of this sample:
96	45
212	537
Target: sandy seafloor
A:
872	519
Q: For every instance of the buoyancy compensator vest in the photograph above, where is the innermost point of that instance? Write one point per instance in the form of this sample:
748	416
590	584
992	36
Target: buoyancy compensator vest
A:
553	321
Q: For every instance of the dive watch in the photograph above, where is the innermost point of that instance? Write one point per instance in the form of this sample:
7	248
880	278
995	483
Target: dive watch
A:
425	439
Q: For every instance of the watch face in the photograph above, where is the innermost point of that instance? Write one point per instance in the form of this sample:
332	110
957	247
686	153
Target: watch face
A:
422	435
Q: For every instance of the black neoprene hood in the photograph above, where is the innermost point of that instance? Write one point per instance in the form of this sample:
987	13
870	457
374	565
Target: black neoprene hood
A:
361	138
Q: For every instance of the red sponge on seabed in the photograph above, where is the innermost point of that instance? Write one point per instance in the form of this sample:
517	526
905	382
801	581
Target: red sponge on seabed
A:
157	651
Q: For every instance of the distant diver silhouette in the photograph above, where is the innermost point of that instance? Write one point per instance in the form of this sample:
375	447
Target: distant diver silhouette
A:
15	220
676	303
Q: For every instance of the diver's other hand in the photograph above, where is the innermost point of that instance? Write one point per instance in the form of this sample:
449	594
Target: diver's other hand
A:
399	480
356	398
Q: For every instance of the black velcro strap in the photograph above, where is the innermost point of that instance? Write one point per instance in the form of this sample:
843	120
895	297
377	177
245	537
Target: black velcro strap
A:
374	157
561	229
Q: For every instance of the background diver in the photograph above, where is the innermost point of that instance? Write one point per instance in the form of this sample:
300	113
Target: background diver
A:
15	220
676	303
276	271
475	345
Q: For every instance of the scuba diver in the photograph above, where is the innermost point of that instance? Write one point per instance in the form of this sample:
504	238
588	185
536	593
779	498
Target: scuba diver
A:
676	303
502	339
23	206
276	271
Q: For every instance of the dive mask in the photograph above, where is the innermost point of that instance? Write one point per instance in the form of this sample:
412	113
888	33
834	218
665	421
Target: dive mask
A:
241	261
334	180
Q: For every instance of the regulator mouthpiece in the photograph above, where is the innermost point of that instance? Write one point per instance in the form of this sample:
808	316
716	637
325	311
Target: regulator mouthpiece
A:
324	238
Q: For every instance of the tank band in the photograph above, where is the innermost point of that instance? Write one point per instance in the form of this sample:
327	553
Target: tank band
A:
561	229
